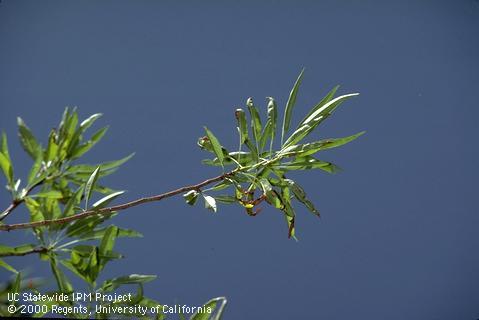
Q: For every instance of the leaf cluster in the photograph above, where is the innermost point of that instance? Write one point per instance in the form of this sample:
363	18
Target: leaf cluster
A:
259	171
58	185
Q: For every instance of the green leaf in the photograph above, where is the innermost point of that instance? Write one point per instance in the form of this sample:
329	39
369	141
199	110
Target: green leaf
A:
216	145
52	148
191	197
216	312
253	149
90	184
36	212
108	240
222	185
232	158
269	131
315	119
15	251
242	125
5	161
300	195
94	266
255	120
27	139
321	103
73	201
17	283
52	194
115	283
5	265
7	168
307	163
302	150
89	121
33	176
290	220
107	199
290	105
99	233
225	199
210	203
106	167
62	281
83	148
272	197
4	146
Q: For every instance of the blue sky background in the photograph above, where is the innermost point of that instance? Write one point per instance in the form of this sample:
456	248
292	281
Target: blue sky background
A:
398	235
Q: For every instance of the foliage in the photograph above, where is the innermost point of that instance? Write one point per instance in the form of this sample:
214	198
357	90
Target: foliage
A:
259	173
59	185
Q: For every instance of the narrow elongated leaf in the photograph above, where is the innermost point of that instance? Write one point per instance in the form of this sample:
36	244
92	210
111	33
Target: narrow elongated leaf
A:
52	147
290	105
217	305
321	103
107	199
7	168
307	163
4	146
255	120
71	124
115	283
84	226
34	176
242	125
191	197
272	197
269	131
241	157
82	149
5	265
300	195
116	163
108	240
301	150
225	199
216	145
62	281
80	181
36	212
90	185
106	167
222	185
27	139
17	283
95	264
19	250
52	194
74	201
89	121
210	203
326	109
100	233
265	135
253	150
315	119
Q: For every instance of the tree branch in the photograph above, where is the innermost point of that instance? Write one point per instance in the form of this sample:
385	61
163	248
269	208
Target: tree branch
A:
16	202
113	209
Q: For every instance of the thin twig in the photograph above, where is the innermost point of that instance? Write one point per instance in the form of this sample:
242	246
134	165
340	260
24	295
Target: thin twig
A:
16	202
113	209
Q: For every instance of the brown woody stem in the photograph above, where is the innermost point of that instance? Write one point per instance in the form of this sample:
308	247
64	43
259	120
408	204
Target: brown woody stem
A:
113	209
16	202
